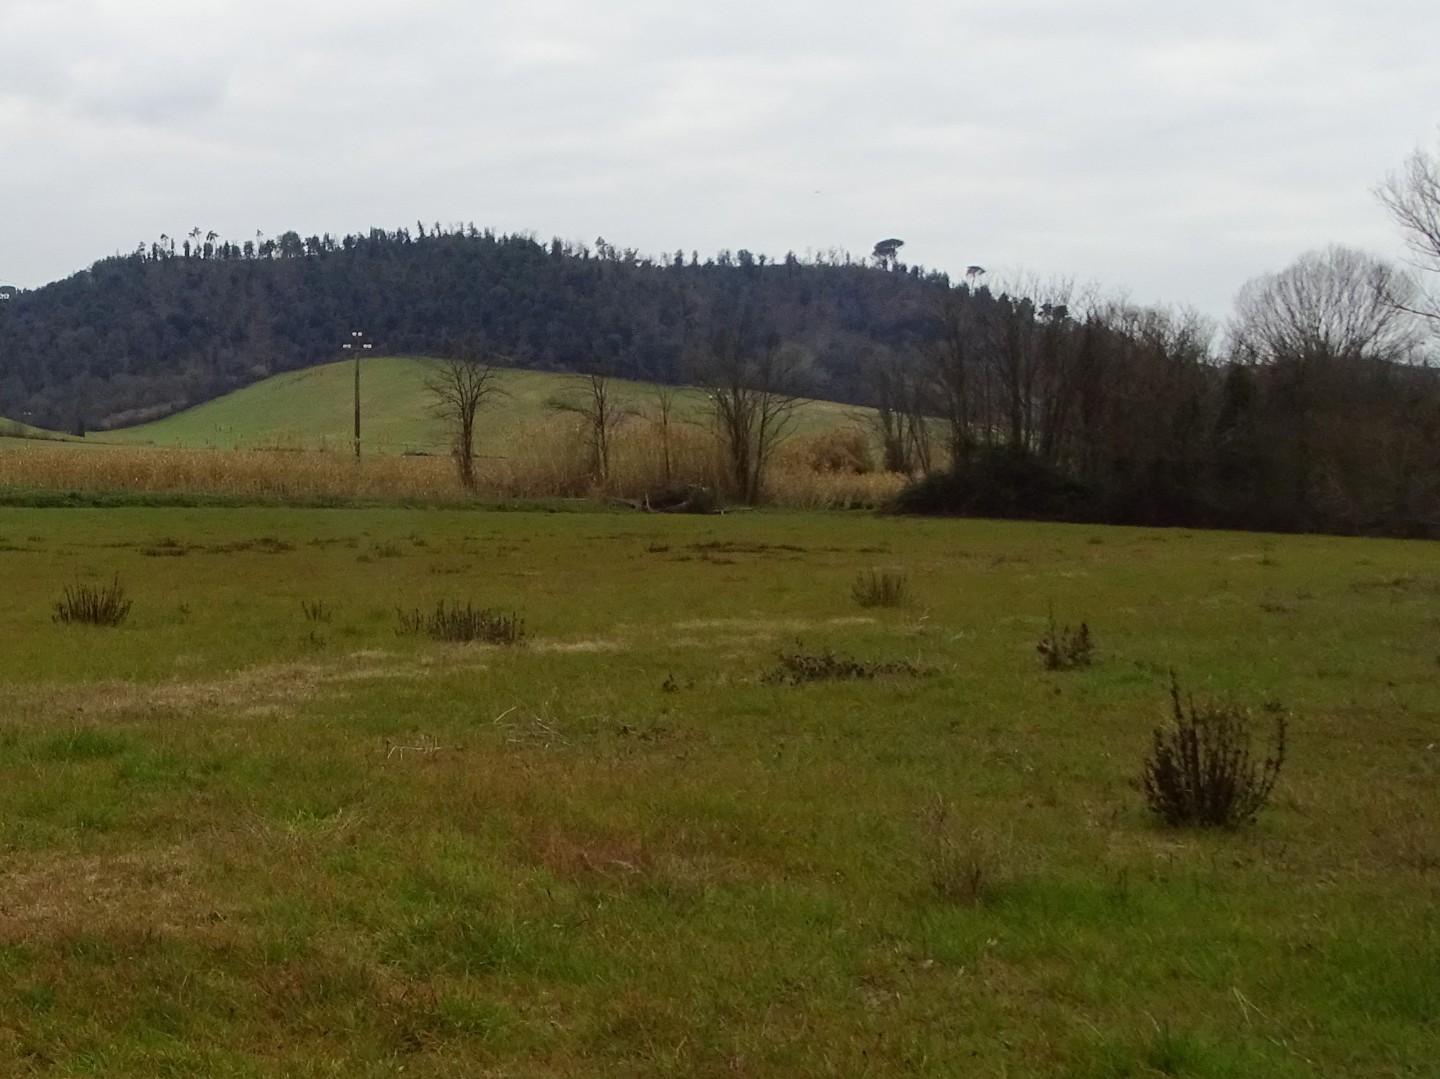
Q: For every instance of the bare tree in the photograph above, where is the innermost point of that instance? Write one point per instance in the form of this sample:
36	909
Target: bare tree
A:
886	421
1412	195
751	384
1319	325
900	418
601	411
1335	304
459	386
952	360
663	418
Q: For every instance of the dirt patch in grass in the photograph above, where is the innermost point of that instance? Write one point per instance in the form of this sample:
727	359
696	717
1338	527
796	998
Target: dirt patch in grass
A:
54	896
258	691
582	646
768	625
635	861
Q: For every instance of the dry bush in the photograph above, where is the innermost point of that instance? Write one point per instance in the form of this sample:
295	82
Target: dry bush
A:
802	488
798	667
316	610
880	589
1200	771
842	449
963	867
1064	649
93	606
452	622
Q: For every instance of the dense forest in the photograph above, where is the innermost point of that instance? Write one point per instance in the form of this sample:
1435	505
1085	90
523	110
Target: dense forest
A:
1317	409
173	324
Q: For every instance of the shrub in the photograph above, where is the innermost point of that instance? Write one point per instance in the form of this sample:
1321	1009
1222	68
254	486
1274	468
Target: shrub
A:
453	622
316	610
90	605
998	482
962	866
798	667
1201	770
843	449
1064	649
872	589
693	498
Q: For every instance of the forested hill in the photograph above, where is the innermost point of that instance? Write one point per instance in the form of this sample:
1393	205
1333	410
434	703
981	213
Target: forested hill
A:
141	335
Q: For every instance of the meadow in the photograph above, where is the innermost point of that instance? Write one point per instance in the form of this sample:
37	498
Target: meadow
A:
254	830
287	439
311	409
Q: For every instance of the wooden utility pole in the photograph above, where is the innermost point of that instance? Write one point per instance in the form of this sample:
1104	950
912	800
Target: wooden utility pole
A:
358	344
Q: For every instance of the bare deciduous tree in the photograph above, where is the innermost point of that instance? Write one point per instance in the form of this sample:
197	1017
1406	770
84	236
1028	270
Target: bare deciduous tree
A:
1319	324
601	411
888	380
952	360
1335	304
663	417
899	418
459	386
1412	195
751	384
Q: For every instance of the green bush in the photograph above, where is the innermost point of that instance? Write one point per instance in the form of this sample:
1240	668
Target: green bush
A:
998	482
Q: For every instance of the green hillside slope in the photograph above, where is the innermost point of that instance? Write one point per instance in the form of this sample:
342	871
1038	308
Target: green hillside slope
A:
14	429
313	409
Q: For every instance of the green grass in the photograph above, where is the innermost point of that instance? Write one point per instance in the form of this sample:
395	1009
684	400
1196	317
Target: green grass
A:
14	429
313	408
238	842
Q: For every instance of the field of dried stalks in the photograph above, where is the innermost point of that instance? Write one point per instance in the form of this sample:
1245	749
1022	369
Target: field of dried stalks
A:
543	459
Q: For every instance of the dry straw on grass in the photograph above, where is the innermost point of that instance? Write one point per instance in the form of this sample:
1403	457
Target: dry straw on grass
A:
546	460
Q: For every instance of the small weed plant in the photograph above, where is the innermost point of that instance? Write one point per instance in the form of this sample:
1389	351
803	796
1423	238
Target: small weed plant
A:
962	866
1202	770
454	622
316	610
85	604
1065	649
798	666
876	589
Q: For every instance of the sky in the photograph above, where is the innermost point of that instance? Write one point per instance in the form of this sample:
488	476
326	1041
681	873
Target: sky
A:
1164	151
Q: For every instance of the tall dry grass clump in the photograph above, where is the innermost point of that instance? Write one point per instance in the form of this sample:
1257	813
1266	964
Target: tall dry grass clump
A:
93	605
547	458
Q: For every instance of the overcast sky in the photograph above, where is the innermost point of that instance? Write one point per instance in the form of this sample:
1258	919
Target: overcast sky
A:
1167	150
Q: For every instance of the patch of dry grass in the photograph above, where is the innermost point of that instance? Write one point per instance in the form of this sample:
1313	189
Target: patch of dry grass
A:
546	459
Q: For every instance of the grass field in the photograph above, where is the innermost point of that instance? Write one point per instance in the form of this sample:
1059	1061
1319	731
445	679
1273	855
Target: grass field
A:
239	841
288	439
313	409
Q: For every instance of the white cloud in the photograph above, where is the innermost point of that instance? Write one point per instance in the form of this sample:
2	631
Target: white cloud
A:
1169	150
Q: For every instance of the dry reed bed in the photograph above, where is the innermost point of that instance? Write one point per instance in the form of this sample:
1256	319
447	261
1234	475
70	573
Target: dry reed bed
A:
546	460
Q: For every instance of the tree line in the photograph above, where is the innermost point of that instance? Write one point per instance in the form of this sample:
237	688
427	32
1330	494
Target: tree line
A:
172	324
1317	407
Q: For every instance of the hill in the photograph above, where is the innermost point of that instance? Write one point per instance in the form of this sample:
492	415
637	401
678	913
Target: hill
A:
14	429
137	337
312	409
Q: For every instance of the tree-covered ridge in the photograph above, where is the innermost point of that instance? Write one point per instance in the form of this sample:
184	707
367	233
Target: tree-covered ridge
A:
176	323
1317	412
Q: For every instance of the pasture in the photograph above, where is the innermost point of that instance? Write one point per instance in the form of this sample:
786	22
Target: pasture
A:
254	830
287	439
312	409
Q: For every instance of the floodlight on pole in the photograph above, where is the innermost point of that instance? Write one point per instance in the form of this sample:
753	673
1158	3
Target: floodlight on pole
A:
358	344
